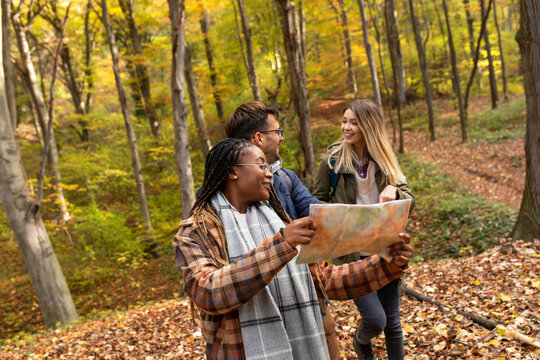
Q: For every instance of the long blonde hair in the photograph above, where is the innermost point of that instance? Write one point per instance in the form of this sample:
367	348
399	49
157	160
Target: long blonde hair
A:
371	122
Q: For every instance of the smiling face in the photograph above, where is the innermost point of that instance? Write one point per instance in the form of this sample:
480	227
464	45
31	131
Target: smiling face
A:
271	140
250	181
351	131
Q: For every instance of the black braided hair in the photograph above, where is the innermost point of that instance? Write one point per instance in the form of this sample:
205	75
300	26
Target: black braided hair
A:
219	163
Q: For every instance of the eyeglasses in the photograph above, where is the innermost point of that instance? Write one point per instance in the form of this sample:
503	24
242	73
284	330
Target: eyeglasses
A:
278	131
264	167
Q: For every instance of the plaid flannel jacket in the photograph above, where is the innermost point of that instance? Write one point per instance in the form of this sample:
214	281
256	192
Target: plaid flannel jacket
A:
219	291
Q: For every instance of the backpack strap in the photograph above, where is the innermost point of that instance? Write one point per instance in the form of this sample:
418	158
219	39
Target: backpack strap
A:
334	177
284	177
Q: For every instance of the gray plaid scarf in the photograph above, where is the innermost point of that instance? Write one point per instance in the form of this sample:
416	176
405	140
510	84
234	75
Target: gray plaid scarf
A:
283	321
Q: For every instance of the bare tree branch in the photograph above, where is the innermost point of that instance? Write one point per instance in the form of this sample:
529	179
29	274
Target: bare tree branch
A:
477	55
47	136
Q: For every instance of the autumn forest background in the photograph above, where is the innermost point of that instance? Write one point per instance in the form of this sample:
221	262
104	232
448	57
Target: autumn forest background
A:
114	104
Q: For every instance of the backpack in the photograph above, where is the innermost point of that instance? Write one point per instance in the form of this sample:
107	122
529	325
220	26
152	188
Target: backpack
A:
284	177
334	177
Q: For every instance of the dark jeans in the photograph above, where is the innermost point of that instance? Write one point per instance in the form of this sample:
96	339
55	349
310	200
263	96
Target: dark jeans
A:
380	312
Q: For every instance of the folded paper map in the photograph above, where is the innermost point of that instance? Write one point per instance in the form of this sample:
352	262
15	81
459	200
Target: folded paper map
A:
343	229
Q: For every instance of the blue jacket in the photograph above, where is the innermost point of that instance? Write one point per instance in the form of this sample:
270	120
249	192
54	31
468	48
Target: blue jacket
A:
296	203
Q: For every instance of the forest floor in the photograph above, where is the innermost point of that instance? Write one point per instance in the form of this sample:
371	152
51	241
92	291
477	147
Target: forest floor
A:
502	286
496	171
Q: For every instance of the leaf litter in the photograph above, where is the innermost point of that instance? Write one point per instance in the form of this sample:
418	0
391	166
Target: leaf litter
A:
504	288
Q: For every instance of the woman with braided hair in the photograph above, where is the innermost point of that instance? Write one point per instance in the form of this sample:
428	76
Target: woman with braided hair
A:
235	253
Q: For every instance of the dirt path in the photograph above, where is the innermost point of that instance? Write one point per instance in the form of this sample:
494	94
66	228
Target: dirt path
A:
495	171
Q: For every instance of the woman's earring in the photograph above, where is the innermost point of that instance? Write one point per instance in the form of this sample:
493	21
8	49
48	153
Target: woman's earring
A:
235	177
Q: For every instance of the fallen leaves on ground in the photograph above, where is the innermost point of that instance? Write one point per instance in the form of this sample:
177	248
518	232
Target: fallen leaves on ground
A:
19	310
504	288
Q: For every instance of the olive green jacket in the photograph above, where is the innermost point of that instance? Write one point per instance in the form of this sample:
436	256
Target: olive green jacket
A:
345	192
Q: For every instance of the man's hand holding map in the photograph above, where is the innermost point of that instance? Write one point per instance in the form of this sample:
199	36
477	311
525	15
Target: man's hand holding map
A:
343	229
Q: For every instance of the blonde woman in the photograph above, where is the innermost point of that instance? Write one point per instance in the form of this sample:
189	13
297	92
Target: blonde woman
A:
367	172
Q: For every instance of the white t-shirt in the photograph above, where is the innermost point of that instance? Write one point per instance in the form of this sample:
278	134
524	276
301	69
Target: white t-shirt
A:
367	191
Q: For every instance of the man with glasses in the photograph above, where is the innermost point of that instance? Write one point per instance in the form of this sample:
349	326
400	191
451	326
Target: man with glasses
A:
258	122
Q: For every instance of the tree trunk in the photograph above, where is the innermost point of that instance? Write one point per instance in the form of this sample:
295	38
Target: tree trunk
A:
476	56
395	49
42	112
71	76
470	25
239	36
423	67
252	74
132	140
277	55
369	54
39	258
509	24
71	80
132	83
141	72
446	56
9	74
455	72
381	63
210	58
397	63
503	67
470	30
181	143
528	222
302	26
350	67
298	82
33	113
195	101
492	79
89	41
341	42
